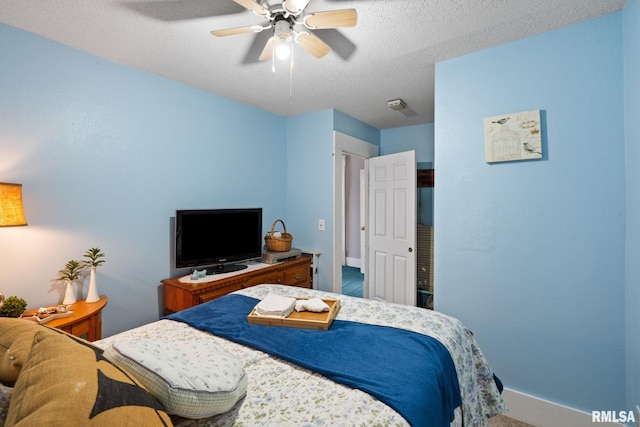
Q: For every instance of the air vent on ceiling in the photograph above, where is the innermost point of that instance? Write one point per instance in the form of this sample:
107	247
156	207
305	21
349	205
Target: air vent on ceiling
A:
397	104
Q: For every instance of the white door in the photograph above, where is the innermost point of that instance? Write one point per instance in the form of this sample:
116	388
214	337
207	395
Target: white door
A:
392	228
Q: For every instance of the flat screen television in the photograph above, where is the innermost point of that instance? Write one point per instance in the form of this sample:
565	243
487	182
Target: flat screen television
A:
218	239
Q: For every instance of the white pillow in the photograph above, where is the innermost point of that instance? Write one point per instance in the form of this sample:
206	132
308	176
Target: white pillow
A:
197	379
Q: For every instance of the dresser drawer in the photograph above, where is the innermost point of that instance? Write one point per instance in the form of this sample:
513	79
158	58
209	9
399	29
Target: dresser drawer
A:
217	293
270	278
297	276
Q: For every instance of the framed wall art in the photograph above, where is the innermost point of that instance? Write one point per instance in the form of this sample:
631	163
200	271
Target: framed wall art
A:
514	136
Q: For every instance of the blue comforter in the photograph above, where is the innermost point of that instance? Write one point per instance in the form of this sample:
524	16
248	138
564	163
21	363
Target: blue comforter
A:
410	372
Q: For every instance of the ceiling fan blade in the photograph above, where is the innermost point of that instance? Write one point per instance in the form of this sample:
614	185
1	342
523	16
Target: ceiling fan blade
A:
294	7
267	52
237	30
331	19
313	44
253	6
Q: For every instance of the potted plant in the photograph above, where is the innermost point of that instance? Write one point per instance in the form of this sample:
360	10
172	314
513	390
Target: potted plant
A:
12	306
69	274
95	258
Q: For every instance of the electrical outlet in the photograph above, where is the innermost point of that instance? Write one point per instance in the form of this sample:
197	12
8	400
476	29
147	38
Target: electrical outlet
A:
321	224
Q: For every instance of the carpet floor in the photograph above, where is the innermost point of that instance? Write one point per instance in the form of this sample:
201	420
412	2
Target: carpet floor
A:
504	421
352	281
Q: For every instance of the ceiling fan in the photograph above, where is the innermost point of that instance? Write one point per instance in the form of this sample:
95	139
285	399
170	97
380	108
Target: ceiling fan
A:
284	17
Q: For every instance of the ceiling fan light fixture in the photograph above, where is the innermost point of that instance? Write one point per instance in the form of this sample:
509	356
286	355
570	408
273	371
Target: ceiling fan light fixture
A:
282	33
282	29
283	50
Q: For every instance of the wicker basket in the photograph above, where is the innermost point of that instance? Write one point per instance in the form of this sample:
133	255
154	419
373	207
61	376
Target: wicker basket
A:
278	244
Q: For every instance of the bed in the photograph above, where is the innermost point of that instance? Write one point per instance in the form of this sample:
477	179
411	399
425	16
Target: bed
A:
273	391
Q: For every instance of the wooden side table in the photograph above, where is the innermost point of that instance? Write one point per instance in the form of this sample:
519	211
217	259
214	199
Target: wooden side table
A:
85	322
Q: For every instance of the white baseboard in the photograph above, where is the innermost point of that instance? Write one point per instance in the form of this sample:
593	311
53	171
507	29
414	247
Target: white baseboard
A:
543	413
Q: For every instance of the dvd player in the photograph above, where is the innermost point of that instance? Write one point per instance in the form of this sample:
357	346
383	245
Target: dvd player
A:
270	257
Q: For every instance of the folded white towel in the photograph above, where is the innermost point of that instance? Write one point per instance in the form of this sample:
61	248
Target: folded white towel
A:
314	304
275	305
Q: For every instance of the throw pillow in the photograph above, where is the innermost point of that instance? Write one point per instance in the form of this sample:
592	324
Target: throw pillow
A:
67	381
196	380
16	336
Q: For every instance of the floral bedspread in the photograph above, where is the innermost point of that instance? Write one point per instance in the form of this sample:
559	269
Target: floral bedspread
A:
282	394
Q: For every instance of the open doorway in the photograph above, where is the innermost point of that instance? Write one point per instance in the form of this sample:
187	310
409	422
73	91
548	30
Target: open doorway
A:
353	261
344	144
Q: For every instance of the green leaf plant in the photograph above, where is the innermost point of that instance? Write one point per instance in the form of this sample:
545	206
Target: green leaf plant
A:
95	257
71	271
12	307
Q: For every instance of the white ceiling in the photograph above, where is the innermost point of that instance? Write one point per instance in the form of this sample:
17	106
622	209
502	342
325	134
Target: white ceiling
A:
389	54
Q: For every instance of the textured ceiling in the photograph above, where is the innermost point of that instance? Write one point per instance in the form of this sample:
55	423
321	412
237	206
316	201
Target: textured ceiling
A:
389	54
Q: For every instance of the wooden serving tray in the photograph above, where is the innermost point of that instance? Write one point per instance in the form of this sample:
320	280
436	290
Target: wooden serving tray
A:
301	319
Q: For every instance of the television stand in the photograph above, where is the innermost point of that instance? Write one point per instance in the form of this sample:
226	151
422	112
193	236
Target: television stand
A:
225	268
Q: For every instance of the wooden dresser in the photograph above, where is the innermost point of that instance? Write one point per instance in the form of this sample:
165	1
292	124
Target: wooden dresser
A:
179	296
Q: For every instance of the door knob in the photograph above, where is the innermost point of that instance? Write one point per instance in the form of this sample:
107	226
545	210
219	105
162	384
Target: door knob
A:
362	228
410	250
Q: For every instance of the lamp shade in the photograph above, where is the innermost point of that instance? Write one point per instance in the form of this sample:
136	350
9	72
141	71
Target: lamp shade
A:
11	212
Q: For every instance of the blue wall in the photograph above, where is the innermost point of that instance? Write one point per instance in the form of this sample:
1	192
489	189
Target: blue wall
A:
309	188
421	139
631	32
106	154
310	180
355	128
530	255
